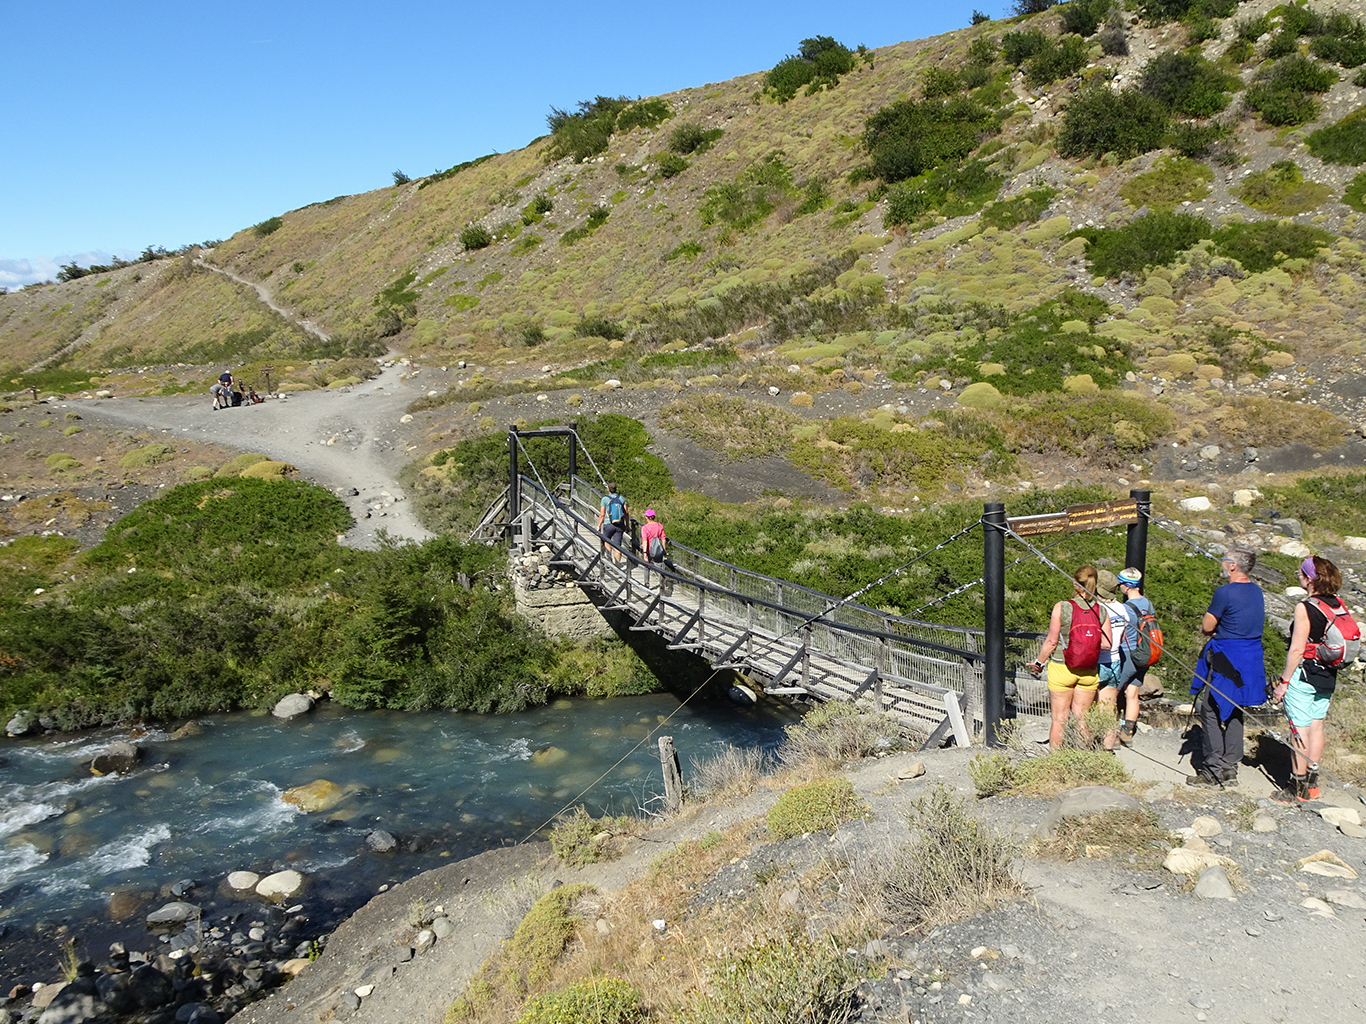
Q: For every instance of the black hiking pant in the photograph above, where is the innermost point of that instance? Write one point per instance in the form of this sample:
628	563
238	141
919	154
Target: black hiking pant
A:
1221	742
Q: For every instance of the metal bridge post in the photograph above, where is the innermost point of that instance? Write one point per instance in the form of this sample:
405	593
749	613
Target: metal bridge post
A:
573	458
1136	547
514	492
994	624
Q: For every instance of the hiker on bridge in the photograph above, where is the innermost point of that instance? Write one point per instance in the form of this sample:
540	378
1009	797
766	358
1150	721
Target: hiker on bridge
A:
614	518
1230	674
656	549
1077	632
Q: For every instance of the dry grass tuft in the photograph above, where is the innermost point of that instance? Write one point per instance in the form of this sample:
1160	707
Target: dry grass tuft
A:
837	732
1136	838
733	773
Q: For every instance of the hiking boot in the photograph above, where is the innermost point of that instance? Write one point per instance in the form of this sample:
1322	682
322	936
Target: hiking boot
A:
1126	733
1204	777
1228	776
1291	792
1311	787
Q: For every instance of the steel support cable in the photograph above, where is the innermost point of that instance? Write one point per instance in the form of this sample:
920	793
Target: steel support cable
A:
621	760
968	586
1171	528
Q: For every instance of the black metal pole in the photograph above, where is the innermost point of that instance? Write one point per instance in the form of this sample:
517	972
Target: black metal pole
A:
1136	548
573	455
514	492
994	646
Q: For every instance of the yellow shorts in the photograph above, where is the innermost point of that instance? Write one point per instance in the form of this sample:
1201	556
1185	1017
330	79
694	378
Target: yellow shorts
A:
1062	678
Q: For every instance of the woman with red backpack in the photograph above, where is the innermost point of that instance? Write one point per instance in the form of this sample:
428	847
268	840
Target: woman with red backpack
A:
1077	632
1309	679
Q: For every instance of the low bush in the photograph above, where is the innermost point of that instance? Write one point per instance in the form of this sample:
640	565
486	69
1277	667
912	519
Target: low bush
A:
1098	121
149	455
268	227
1137	838
1018	47
1172	180
1281	93
1355	195
954	868
1026	208
691	138
1110	427
643	114
670	165
1060	58
1343	142
951	189
817	65
836	732
1262	245
1282	190
1114	37
592	1001
1186	83
937	81
1336	501
1083	17
476	236
1150	241
578	838
907	138
749	199
817	806
1049	775
599	327
585	132
1195	140
733	772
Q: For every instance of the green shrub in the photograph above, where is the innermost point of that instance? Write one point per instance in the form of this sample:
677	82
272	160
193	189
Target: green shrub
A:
1156	12
585	132
1150	241
731	427
1347	52
1252	29
1194	140
836	732
818	65
1281	93
149	455
950	189
592	1001
578	838
643	114
671	165
690	138
268	226
1172	180
1186	83
1018	47
534	212
1343	142
1060	58
1355	196
1281	190
1266	243
1240	51
683	250
233	467
1083	17
778	979
476	236
1114	38
1098	121
1025	208
824	804
599	327
749	199
907	138
936	81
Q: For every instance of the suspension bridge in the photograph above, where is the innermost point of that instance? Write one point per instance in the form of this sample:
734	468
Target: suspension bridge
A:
789	639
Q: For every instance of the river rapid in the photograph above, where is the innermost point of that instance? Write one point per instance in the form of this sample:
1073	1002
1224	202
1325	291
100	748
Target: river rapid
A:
87	857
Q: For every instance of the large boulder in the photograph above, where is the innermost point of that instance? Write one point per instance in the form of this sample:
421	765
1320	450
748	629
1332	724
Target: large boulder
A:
293	705
319	795
119	758
173	913
23	723
281	885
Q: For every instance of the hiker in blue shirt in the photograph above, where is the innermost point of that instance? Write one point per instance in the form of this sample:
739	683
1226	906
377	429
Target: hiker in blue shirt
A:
613	516
1230	674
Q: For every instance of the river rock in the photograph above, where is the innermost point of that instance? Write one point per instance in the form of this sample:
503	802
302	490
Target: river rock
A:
548	755
123	905
76	1002
293	705
1186	861
1326	863
380	841
150	987
1354	543
119	758
187	730
43	995
22	723
1085	800
1214	884
243	881
281	885
1196	504
318	795
173	913
742	695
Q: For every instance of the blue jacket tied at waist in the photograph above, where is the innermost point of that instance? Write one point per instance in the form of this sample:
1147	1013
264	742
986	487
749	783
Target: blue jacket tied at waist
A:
1235	671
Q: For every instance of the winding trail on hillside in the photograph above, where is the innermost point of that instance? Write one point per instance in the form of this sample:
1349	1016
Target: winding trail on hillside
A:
267	298
349	439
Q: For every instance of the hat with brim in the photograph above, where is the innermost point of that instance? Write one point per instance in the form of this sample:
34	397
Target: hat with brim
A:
1105	585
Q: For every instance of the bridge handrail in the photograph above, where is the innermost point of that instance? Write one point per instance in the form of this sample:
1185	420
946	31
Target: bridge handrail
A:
829	608
554	505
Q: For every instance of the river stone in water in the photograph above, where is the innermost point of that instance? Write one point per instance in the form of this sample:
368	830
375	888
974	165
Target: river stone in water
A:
380	841
293	705
280	885
243	881
123	905
22	723
548	755
173	913
319	795
119	757
1082	801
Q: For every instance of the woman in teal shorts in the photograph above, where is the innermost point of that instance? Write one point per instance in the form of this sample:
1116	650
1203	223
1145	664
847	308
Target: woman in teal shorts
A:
1307	684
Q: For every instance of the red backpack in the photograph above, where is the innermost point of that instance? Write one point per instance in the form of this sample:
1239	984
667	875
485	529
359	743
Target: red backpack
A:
1083	639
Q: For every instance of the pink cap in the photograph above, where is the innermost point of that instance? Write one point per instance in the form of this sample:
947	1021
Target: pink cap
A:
649	513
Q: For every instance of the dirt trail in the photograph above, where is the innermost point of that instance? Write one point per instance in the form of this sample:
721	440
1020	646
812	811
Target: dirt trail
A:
264	294
347	439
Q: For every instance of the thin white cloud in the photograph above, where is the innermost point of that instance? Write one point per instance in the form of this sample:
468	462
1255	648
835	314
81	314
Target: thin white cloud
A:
15	274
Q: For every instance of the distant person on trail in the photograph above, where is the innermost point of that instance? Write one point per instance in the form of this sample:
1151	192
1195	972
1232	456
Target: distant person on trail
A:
221	397
613	518
1116	658
1136	606
1307	684
1230	674
656	547
225	378
1077	632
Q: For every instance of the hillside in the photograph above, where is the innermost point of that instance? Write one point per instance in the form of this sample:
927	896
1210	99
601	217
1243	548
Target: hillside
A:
1044	247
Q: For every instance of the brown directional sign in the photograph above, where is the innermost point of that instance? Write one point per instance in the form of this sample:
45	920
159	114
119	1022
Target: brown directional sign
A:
1078	517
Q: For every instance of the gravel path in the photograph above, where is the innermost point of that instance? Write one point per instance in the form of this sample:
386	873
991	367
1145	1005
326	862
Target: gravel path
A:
349	440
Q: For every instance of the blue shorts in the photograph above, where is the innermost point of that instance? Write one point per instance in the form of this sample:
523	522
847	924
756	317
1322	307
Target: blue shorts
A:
613	533
1303	703
1118	674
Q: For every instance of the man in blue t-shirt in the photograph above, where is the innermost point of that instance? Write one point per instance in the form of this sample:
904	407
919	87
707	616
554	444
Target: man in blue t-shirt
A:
1230	674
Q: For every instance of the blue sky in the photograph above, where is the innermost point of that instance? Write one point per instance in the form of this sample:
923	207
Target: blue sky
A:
138	123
